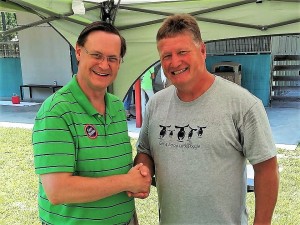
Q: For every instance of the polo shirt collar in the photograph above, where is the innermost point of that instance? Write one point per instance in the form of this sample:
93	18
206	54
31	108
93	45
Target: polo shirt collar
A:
82	100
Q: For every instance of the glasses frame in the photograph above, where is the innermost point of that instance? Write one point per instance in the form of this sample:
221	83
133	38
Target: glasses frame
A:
100	57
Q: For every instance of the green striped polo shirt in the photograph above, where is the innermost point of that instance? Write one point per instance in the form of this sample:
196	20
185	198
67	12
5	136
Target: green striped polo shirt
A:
69	135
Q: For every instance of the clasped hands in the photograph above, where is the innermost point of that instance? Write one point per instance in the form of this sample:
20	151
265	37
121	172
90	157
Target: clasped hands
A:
141	179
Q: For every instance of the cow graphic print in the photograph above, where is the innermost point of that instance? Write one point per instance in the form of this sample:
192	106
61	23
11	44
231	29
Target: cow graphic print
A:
182	133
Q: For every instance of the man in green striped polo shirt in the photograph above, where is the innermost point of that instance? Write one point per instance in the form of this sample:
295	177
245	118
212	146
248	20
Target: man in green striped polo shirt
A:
82	151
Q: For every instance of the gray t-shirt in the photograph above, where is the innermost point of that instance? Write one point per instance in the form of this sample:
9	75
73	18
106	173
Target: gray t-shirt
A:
200	150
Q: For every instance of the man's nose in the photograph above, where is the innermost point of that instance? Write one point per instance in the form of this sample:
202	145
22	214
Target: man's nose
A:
103	63
175	60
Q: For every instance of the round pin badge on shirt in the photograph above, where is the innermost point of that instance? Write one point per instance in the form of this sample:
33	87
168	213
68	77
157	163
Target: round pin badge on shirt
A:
90	131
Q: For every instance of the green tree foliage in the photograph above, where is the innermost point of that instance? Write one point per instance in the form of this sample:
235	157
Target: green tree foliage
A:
8	21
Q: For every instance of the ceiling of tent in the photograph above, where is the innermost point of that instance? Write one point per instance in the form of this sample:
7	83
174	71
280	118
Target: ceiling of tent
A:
140	20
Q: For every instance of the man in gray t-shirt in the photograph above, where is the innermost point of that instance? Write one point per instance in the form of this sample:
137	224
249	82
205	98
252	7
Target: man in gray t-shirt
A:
198	135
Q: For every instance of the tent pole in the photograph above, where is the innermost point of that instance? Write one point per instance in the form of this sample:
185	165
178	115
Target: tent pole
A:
138	114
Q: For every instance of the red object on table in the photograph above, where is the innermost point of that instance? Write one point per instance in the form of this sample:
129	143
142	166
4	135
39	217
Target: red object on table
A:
15	99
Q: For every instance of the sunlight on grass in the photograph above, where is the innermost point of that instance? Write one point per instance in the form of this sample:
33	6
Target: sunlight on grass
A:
18	197
18	193
287	210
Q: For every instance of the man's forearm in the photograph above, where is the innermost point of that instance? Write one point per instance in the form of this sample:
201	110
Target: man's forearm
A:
266	184
65	188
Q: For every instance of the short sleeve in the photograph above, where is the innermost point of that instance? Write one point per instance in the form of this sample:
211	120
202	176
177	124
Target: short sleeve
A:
258	143
53	145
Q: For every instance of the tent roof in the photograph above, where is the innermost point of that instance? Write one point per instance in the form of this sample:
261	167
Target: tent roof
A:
139	21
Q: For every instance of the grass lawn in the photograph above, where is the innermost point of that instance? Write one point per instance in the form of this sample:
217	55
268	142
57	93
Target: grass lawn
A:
18	192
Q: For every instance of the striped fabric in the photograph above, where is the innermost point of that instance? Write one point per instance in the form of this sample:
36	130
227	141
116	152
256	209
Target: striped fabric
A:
71	136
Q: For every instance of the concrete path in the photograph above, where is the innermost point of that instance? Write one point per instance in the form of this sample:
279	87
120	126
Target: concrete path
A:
284	121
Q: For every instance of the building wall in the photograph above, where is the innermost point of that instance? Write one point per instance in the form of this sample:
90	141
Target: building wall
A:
45	57
256	72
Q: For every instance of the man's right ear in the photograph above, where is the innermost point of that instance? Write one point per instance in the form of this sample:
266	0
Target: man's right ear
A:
77	52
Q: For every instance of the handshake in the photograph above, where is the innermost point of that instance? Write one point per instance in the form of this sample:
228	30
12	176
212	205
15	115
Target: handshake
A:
139	181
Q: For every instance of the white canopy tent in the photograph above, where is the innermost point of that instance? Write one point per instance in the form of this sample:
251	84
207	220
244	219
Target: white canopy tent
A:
139	21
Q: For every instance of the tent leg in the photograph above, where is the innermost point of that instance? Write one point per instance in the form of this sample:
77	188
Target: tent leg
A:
138	114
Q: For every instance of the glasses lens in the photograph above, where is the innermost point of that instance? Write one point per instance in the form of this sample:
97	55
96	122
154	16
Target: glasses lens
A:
100	57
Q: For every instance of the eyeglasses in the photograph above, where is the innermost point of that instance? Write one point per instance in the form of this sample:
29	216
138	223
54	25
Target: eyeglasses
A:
100	57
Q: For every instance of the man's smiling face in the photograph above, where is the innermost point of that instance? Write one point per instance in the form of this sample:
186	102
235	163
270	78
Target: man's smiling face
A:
183	60
99	61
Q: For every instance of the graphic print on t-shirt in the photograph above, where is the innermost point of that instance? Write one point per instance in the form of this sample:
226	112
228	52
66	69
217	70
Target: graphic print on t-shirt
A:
182	133
180	136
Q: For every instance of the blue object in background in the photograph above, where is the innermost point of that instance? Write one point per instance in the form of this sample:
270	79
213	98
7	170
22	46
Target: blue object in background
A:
10	77
256	72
